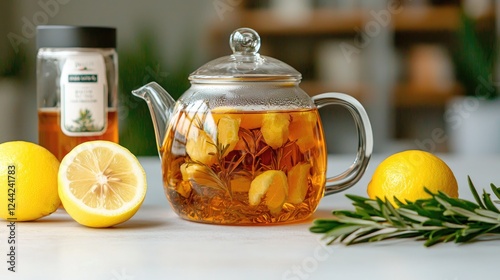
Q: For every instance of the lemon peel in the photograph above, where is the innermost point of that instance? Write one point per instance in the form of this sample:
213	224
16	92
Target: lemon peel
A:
405	174
28	173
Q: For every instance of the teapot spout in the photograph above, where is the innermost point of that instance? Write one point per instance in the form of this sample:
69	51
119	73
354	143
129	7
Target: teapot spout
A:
161	106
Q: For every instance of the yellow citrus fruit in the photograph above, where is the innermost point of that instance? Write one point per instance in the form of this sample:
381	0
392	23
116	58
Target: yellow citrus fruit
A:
101	184
251	121
273	186
202	148
298	182
199	174
405	174
275	129
247	120
302	129
28	176
227	133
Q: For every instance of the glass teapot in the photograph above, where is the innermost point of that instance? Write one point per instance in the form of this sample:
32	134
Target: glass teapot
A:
244	144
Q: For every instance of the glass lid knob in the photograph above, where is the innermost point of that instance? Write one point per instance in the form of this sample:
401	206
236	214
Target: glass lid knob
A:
244	41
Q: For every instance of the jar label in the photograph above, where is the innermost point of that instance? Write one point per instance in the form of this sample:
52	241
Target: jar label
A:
84	95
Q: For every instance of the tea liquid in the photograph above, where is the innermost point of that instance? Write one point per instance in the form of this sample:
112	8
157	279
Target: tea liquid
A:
232	167
52	138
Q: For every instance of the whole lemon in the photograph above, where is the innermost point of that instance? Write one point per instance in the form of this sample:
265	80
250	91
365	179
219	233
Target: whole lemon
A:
28	181
405	174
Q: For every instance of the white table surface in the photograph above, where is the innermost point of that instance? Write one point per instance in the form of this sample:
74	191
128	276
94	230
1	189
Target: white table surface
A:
156	244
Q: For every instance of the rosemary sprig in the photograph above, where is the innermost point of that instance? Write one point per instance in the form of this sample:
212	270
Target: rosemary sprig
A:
437	219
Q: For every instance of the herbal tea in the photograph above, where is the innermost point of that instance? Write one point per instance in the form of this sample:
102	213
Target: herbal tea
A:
52	138
232	167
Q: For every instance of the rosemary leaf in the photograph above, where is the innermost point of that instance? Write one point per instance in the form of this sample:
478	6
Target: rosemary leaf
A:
363	232
412	215
473	216
474	192
349	220
343	230
437	239
495	190
452	225
468	235
397	221
488	203
489	214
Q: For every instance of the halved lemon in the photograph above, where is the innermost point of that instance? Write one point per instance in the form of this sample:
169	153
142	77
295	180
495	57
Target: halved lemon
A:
101	184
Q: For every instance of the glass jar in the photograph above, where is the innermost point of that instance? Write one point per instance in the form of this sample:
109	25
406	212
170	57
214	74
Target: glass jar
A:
77	84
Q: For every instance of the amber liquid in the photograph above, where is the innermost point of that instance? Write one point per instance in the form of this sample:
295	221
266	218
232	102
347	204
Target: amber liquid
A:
216	187
52	138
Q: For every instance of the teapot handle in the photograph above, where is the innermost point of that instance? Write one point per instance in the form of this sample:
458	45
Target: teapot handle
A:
352	175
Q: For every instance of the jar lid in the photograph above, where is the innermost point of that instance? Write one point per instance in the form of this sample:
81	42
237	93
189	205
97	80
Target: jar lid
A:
66	36
245	64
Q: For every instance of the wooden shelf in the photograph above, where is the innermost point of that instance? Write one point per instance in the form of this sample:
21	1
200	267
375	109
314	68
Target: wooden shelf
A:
406	95
315	22
329	21
315	88
425	19
429	19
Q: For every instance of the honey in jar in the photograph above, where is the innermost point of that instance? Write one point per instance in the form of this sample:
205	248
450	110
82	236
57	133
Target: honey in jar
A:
77	82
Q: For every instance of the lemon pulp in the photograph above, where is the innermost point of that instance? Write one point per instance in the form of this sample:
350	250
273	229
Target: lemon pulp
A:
101	184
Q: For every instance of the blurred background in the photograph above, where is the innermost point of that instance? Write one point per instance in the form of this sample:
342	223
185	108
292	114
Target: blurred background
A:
425	70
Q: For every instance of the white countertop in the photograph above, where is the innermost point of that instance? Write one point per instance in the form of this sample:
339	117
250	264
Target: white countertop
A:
156	244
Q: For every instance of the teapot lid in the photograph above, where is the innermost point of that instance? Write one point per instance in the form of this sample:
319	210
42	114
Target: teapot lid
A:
245	64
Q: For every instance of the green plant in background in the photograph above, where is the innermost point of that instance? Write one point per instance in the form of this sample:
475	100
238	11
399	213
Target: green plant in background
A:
12	64
476	58
138	67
